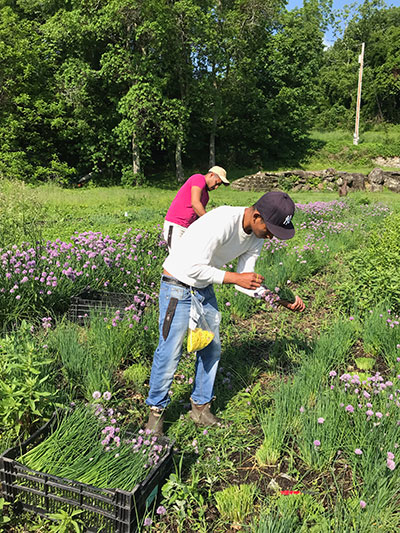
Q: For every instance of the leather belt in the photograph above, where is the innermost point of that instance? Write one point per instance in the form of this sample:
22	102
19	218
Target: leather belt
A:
174	281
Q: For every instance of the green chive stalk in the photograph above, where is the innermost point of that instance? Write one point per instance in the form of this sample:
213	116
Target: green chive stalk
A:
76	450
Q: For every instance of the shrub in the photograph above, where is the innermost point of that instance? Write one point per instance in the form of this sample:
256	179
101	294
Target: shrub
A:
26	396
335	116
136	375
374	270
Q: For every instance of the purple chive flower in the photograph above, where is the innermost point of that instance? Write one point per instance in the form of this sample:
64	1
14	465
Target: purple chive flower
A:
378	414
357	451
349	408
147	521
96	395
391	464
321	420
332	373
301	409
161	510
317	443
390	455
362	504
107	395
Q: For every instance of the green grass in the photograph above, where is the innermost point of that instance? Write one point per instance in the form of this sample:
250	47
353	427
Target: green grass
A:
336	149
113	210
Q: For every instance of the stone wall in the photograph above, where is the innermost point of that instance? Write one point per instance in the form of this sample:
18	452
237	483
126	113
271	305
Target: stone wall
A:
328	179
387	162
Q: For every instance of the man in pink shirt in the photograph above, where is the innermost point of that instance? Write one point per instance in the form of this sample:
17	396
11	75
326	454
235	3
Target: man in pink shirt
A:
190	202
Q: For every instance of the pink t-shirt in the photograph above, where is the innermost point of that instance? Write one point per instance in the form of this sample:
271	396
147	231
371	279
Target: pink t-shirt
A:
181	211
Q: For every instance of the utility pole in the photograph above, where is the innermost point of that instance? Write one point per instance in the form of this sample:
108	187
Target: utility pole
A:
361	61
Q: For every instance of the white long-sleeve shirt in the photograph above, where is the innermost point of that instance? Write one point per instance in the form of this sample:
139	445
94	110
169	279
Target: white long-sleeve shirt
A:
210	242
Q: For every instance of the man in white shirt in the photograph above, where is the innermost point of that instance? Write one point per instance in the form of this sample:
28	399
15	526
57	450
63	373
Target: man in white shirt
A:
191	269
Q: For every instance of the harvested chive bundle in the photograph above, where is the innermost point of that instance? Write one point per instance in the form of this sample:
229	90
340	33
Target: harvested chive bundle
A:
286	294
277	284
272	297
77	450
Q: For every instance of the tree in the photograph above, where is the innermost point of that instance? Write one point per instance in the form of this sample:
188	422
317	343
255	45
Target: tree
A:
26	94
378	27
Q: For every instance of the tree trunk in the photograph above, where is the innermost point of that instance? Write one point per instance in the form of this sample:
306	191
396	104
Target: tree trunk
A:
178	162
135	155
211	158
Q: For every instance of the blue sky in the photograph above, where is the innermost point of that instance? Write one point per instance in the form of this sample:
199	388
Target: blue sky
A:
337	4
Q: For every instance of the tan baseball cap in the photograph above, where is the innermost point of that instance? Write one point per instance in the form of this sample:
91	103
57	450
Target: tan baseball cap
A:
221	172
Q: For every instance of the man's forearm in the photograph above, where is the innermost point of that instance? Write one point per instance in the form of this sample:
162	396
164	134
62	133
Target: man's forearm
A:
232	278
198	208
247	280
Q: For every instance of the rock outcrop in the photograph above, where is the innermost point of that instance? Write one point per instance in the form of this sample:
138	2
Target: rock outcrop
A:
328	179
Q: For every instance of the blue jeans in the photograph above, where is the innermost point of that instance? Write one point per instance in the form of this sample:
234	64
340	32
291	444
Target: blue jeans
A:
169	351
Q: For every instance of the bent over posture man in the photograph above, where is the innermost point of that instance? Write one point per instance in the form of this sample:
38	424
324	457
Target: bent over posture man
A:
190	203
192	268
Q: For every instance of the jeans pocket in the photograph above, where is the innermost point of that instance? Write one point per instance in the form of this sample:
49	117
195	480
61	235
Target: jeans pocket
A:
168	291
180	293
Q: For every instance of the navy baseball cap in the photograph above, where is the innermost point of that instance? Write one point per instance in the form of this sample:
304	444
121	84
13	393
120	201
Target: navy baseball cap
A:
277	210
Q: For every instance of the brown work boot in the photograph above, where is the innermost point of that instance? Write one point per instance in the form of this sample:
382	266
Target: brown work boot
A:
202	416
155	422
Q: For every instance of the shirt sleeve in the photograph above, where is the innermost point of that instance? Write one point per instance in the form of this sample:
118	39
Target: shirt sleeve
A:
191	260
247	263
200	267
198	180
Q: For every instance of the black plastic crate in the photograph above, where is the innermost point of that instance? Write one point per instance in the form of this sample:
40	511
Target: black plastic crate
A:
104	510
90	301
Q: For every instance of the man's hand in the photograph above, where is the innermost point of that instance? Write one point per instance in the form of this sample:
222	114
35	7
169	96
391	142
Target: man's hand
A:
247	280
297	305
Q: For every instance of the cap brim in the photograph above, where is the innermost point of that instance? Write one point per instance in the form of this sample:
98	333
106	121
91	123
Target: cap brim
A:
281	233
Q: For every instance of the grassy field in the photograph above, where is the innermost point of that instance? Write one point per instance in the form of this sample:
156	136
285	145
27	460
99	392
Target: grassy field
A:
113	209
336	149
309	401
